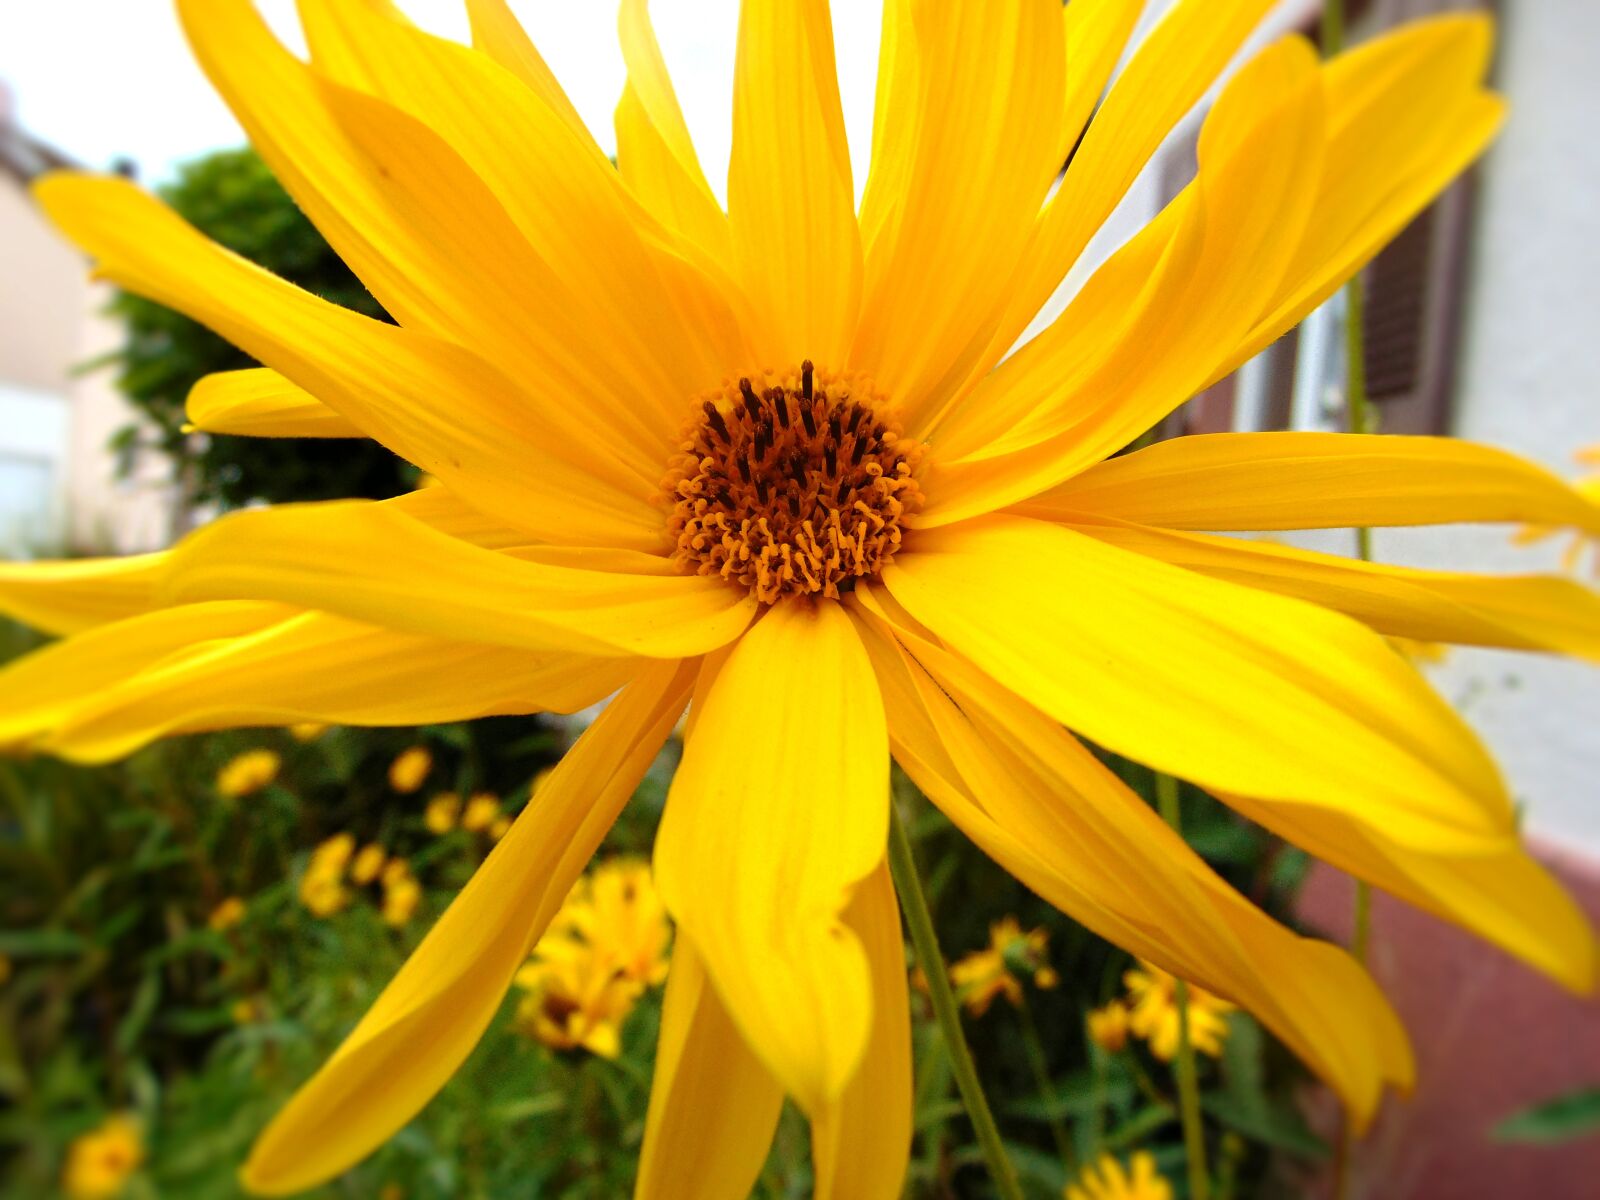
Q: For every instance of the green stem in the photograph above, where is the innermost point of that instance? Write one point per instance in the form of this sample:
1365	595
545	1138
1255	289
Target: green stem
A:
903	866
1332	28
1041	1077
1097	1120
1194	1134
1358	419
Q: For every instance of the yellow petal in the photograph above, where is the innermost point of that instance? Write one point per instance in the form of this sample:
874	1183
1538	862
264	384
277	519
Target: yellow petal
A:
430	240
497	32
654	150
671	325
429	1017
778	811
75	594
986	147
1171	69
1096	33
1505	897
894	127
1236	689
439	508
791	204
1047	810
257	402
72	595
372	563
315	667
1523	612
1057	406
713	1106
440	406
861	1142
1405	117
39	689
1316	481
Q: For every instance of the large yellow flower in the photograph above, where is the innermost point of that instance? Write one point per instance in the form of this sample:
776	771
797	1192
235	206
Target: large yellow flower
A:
771	459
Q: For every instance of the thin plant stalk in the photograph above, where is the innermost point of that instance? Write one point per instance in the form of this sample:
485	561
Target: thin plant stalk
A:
1357	420
925	943
1194	1134
1041	1076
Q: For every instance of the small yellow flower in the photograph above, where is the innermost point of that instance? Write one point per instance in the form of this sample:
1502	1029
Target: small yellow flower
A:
368	863
607	944
332	855
1105	1179
308	731
401	896
323	895
440	815
322	888
574	998
394	871
248	772
409	769
1153	998
227	914
984	974
100	1162
481	812
1108	1026
1046	979
616	911
1587	486
501	826
247	1010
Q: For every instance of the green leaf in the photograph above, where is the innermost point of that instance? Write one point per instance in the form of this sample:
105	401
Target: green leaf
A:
41	943
1280	1128
145	999
1562	1119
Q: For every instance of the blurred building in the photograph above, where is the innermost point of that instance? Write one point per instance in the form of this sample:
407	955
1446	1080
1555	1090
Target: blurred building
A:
59	486
1480	323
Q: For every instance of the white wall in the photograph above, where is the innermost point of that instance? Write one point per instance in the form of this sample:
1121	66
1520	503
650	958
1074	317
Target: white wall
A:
1530	381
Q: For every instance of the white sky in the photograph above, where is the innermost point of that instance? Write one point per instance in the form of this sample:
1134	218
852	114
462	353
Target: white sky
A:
102	79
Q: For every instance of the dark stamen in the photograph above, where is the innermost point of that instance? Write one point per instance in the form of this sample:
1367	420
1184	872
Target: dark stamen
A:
856	413
857	451
783	410
831	453
752	405
805	379
809	418
744	469
714	419
761	489
797	468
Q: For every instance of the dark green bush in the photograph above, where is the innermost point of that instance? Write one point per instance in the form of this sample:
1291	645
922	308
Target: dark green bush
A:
233	198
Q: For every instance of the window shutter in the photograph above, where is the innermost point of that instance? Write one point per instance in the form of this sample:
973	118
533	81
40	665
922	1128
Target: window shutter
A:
1414	289
1412	320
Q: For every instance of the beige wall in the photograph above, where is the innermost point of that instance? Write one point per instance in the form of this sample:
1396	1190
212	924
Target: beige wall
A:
42	295
59	485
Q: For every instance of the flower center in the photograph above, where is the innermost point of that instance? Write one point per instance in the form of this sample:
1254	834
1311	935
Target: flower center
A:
796	486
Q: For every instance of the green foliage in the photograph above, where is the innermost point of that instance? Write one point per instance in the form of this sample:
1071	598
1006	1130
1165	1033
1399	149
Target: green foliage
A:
1562	1119
122	999
232	197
